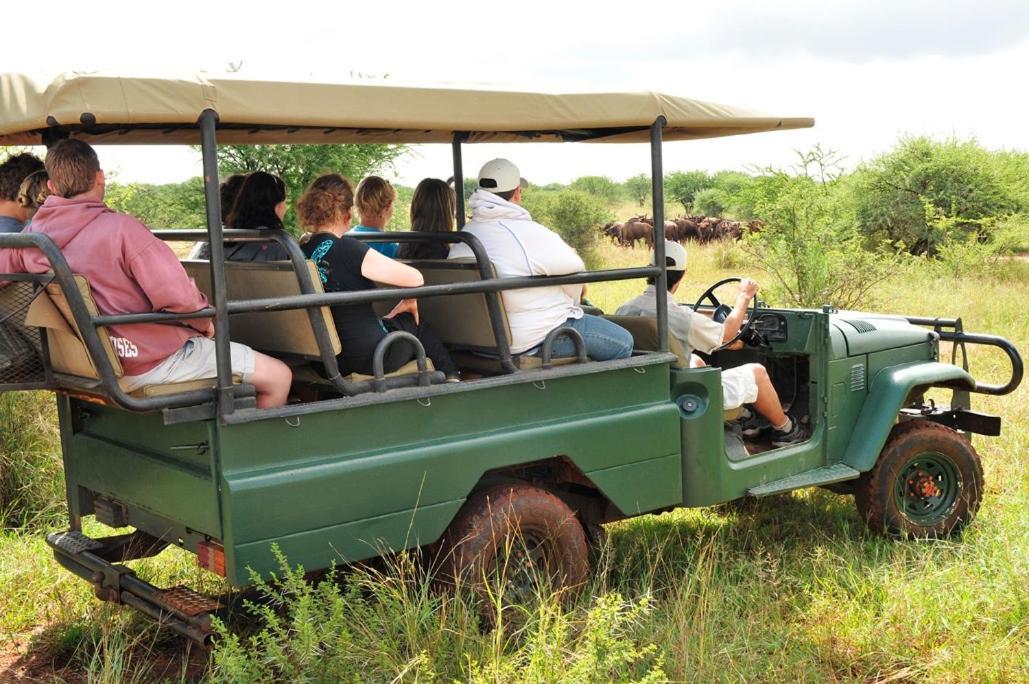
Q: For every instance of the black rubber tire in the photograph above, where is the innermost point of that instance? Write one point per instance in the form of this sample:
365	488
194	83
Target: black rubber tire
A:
875	491
498	519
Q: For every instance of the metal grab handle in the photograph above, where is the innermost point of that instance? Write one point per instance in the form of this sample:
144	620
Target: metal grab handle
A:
564	331
424	375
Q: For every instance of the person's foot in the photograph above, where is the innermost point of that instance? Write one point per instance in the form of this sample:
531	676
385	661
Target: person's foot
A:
753	424
795	435
453	378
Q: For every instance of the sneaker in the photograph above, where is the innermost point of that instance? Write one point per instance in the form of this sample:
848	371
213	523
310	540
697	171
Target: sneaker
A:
754	424
798	434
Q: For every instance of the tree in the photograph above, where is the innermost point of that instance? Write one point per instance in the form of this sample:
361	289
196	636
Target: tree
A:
925	192
711	202
575	215
173	205
638	187
811	245
298	165
601	187
683	186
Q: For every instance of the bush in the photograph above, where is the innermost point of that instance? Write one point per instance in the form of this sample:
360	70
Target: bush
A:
683	186
600	187
391	625
812	248
31	475
924	192
575	215
711	202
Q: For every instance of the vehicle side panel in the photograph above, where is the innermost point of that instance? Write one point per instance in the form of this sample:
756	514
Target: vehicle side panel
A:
164	471
350	483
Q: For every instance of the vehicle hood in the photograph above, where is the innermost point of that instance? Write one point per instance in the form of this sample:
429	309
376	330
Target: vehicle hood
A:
865	333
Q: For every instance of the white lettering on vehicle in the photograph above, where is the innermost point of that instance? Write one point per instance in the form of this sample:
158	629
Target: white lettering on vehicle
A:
124	348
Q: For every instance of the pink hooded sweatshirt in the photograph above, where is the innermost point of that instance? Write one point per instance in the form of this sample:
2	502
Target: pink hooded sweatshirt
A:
128	269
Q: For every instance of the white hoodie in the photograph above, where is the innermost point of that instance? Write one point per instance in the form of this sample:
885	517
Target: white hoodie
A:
518	246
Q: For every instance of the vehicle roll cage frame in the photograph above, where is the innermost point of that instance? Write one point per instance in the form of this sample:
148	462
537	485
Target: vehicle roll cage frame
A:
225	394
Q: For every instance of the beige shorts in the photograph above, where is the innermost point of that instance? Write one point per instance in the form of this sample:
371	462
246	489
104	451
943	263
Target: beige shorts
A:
738	387
195	360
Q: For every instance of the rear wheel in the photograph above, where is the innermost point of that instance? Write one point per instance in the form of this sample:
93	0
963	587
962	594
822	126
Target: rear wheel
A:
927	483
515	537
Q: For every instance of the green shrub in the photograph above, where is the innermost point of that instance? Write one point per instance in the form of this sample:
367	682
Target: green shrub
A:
812	249
600	187
925	192
575	215
683	186
711	202
31	474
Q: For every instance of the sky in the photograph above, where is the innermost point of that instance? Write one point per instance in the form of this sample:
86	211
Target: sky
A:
868	71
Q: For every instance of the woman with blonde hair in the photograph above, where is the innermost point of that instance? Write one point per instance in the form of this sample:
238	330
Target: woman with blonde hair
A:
349	265
33	192
433	207
375	199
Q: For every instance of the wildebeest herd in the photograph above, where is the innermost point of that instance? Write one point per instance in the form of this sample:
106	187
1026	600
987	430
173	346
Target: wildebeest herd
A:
700	229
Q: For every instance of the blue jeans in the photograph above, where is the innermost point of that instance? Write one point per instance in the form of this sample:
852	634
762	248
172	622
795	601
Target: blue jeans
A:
604	340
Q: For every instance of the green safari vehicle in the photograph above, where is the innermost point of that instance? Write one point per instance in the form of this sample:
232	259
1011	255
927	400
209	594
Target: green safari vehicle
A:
544	448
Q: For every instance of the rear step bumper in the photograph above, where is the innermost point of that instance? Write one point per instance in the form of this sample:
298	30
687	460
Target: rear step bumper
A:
96	561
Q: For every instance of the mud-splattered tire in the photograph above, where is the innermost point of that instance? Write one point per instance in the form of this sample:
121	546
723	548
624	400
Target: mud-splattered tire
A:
519	532
927	483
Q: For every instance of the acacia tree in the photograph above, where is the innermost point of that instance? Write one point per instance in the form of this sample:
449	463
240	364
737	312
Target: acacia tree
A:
638	188
684	186
298	165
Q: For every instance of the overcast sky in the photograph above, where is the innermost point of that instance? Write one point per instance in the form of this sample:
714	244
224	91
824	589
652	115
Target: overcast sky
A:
868	71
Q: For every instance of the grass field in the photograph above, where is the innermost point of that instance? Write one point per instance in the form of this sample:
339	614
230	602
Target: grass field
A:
790	588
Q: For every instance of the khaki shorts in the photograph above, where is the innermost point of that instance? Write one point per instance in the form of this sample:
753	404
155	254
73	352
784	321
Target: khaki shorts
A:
738	387
195	360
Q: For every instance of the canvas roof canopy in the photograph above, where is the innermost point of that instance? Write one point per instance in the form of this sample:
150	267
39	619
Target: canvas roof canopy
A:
107	109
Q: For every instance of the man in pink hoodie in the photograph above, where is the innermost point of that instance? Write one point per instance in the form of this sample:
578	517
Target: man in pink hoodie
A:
131	271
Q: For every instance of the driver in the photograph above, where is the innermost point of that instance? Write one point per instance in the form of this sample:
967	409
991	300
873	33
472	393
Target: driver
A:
746	384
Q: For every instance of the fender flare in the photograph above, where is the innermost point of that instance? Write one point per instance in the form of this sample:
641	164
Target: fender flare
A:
886	395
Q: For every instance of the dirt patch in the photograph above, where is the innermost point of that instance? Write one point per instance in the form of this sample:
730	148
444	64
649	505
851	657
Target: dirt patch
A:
31	658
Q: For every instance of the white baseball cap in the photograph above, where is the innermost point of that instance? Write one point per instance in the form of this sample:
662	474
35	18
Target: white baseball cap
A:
499	175
675	256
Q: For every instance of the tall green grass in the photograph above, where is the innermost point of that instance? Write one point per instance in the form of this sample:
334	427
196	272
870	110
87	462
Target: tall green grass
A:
788	588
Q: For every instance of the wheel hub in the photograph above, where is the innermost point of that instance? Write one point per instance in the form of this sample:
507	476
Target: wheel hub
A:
927	488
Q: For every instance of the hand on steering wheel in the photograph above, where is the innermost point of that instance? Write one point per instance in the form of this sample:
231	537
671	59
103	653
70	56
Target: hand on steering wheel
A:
722	310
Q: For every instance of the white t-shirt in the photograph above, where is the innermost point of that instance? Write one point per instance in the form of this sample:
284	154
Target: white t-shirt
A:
695	331
518	246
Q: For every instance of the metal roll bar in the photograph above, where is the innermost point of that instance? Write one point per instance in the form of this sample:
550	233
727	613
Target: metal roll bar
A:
960	338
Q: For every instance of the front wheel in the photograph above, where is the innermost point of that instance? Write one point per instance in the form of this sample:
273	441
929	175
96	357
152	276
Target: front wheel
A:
927	483
515	535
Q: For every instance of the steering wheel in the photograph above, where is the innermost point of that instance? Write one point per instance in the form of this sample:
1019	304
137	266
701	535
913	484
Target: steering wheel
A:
722	311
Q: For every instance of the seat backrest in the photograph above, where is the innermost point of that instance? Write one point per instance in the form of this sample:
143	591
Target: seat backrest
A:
644	336
461	321
68	352
284	332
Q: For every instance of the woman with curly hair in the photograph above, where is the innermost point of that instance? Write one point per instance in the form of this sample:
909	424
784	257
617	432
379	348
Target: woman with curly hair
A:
349	265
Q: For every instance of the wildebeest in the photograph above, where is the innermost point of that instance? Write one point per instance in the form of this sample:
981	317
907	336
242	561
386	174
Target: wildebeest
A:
701	229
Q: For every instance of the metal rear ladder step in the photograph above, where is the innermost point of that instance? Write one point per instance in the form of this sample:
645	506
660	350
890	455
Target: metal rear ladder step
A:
819	476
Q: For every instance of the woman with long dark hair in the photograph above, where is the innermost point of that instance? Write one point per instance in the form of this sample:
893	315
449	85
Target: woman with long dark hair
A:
432	211
260	205
349	265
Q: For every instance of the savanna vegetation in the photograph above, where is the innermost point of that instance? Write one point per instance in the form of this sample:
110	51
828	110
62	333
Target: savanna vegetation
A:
789	588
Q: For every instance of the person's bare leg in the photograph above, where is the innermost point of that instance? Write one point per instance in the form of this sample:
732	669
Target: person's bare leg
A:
696	361
271	378
767	403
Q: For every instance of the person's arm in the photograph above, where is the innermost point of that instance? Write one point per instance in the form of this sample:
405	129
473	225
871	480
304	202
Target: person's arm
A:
11	262
384	270
748	288
157	271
